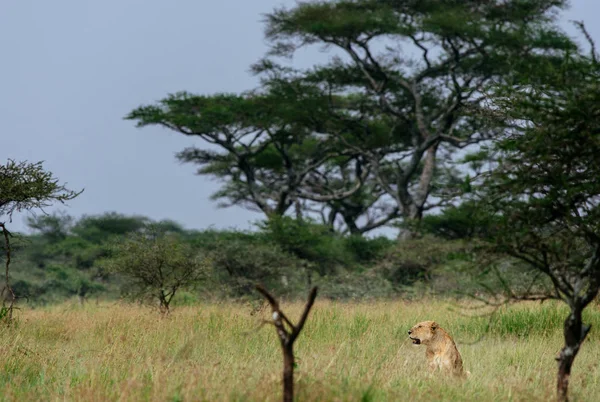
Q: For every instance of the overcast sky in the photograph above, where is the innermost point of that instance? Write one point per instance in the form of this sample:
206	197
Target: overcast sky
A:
71	69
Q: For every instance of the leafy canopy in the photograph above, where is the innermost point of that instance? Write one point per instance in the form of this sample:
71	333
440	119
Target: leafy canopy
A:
25	186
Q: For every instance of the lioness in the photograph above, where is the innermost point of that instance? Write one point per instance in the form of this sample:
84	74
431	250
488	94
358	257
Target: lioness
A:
441	350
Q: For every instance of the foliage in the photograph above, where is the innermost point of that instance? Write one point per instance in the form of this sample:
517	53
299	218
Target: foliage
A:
268	148
96	229
356	285
371	135
309	241
466	220
544	195
60	259
418	260
52	227
239	265
156	263
286	255
365	250
25	186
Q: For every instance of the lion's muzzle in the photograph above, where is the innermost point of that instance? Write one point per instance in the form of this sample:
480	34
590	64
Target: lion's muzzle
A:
415	341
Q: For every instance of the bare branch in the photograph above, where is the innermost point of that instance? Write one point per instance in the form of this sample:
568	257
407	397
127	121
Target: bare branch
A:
311	300
418	43
590	40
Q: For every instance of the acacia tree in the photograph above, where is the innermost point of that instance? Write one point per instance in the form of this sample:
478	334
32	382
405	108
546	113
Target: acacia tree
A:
544	195
24	186
427	102
397	119
157	264
261	144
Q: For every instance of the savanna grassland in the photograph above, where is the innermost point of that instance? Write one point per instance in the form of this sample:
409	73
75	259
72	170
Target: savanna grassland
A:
347	352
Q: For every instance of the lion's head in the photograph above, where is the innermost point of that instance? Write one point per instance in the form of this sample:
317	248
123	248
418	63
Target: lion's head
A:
423	332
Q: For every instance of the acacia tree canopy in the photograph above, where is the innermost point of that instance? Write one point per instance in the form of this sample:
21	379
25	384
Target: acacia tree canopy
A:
433	97
26	186
544	194
262	144
387	115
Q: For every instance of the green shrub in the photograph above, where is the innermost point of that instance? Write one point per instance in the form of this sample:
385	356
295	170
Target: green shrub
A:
416	260
208	239
464	221
306	240
157	264
365	250
354	286
240	264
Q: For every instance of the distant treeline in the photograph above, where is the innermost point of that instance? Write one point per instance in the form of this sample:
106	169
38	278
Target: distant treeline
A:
66	257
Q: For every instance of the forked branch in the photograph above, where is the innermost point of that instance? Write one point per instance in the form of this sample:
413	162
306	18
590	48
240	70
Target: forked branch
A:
287	337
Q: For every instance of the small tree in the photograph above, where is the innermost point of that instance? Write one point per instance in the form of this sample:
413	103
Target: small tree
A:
544	196
24	186
423	104
288	333
157	264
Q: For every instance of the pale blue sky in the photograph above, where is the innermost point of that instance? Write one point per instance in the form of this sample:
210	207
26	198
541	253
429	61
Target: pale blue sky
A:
71	69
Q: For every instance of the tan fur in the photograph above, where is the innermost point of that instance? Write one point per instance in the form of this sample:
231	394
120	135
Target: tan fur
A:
441	350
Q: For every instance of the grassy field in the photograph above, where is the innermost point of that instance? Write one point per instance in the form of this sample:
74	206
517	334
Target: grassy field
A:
347	352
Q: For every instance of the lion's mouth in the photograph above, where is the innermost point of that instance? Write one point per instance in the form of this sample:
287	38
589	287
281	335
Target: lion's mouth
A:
415	341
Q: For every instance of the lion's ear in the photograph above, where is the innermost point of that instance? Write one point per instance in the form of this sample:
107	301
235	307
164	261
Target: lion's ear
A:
434	326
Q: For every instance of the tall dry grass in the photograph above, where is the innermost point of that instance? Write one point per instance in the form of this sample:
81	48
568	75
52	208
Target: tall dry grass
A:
347	352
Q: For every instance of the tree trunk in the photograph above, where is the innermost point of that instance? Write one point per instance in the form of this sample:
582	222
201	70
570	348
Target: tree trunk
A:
412	205
288	373
574	333
331	219
351	224
11	294
411	222
298	210
287	337
164	303
308	271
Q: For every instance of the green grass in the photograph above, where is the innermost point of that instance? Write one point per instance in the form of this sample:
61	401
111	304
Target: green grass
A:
347	352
